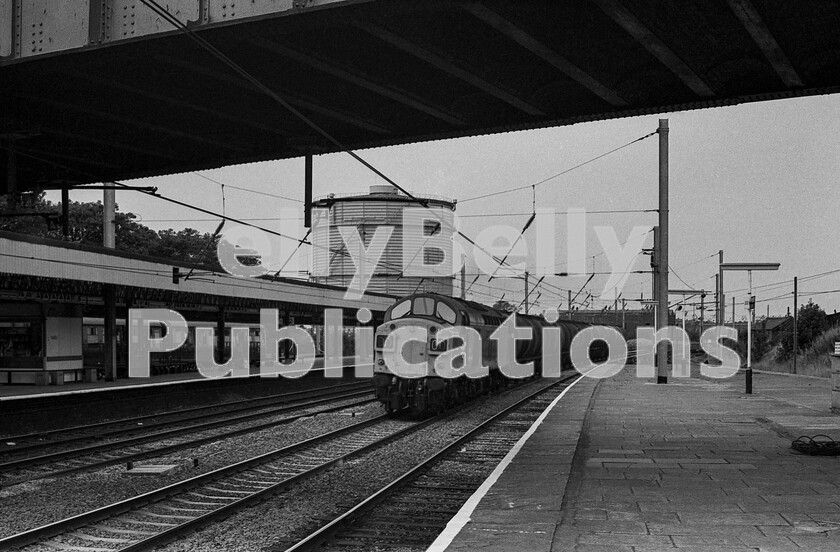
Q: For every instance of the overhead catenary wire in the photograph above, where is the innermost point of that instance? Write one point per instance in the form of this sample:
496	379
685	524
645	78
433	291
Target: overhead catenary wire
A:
700	260
174	201
581	289
552	177
603	251
563	213
460	216
775	286
787	296
204	249
178	24
283	266
625	272
513	245
521	232
300	242
680	278
216	216
218	54
247	189
335	250
155	6
204	44
787	282
272	219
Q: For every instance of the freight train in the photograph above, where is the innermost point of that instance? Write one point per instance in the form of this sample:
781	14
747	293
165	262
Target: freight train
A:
428	313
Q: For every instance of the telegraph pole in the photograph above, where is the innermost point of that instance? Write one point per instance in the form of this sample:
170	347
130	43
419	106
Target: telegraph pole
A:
526	292
463	277
750	323
795	320
721	299
654	273
570	303
109	292
615	308
623	315
662	257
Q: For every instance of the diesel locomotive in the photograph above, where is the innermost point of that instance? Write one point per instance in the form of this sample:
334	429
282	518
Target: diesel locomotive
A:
425	315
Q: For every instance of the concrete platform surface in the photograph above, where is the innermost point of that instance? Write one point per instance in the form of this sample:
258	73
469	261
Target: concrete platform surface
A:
695	465
23	391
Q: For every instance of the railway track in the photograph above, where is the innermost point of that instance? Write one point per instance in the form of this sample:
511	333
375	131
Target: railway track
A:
132	447
13	444
412	510
160	516
148	520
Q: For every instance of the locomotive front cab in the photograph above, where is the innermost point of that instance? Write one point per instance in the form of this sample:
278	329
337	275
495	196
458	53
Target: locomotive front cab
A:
423	316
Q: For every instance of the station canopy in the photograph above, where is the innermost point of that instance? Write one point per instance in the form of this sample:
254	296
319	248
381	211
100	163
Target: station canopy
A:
101	90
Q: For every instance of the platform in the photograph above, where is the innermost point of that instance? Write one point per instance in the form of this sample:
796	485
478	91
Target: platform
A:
22	391
695	465
29	408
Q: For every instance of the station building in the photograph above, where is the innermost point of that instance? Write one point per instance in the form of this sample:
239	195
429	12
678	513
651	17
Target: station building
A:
53	297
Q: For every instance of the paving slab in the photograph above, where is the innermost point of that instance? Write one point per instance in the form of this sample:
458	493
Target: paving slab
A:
692	465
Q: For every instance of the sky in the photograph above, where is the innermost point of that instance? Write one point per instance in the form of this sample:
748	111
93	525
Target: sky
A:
757	181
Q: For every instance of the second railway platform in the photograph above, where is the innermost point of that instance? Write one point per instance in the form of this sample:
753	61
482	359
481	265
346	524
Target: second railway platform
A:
26	392
29	408
627	465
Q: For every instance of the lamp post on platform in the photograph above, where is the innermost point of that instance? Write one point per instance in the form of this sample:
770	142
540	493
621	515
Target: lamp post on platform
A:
749	267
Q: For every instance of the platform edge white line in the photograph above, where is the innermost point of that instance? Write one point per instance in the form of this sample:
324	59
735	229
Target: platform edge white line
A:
457	523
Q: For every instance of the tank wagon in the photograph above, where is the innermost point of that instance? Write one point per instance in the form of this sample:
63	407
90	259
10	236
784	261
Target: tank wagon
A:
430	392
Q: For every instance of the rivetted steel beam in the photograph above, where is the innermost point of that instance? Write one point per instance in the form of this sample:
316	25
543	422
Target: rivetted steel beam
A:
10	28
527	41
310	105
99	16
360	80
442	64
40	27
761	35
644	36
